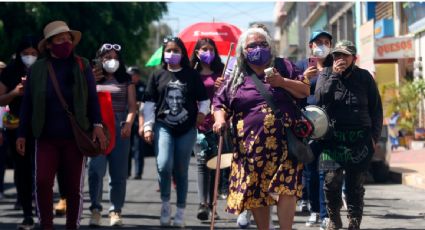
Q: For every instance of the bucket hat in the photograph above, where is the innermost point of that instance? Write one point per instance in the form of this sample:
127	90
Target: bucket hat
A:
57	27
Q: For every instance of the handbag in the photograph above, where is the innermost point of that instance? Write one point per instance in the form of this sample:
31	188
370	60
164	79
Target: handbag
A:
83	138
298	148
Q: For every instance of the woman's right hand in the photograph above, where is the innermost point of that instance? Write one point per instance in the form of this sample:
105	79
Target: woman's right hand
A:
148	136
20	146
18	90
219	126
310	72
97	73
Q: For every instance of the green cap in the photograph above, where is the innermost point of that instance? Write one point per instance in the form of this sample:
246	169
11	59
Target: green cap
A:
345	47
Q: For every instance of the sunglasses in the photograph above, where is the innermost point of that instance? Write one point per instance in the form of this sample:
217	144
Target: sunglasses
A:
170	39
254	45
108	47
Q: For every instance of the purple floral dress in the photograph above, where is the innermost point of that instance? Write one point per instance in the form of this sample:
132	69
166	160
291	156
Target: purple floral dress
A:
260	165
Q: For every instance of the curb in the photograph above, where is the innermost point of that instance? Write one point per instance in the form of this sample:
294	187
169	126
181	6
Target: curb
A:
407	177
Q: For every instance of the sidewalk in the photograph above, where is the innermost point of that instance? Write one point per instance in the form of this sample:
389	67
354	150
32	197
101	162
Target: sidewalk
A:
408	167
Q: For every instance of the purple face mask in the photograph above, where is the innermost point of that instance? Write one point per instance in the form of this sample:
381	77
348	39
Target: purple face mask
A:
259	56
172	58
206	56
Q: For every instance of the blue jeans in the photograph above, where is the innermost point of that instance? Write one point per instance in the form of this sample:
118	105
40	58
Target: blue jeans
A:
172	157
118	164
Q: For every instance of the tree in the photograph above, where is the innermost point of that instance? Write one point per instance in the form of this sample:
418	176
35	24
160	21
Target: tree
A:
125	23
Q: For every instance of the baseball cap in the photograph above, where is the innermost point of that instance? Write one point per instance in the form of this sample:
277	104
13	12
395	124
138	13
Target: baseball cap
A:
318	33
345	47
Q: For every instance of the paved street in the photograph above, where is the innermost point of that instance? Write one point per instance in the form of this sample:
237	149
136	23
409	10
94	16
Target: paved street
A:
388	206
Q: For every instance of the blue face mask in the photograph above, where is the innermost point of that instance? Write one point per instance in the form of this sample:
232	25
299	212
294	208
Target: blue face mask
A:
172	58
259	56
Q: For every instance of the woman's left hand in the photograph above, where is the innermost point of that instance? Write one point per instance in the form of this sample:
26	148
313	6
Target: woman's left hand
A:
200	118
126	130
275	80
99	136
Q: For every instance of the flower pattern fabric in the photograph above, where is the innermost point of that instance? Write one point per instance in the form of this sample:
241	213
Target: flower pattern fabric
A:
260	166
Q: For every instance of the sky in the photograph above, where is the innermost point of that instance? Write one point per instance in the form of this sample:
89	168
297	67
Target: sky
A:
183	14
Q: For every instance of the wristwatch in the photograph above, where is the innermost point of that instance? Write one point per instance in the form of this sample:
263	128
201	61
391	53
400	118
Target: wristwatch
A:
306	81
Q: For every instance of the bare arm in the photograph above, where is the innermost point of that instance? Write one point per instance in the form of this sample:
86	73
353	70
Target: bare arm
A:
126	130
6	98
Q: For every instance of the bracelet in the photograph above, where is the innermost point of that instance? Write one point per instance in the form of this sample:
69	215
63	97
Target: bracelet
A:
98	125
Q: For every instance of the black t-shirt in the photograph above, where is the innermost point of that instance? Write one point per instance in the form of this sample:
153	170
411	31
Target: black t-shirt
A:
11	77
175	95
140	90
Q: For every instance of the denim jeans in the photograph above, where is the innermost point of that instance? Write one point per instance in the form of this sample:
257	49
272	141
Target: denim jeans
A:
137	151
311	179
172	157
118	163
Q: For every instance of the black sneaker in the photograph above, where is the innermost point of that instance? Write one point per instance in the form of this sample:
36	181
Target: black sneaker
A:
27	224
203	212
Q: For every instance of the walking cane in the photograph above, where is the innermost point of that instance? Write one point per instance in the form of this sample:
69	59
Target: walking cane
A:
220	149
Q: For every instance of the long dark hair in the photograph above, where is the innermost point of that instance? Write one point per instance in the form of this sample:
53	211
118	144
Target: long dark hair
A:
121	74
216	65
184	62
28	41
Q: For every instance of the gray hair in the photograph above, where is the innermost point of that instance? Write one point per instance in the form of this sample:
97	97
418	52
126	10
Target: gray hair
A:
241	64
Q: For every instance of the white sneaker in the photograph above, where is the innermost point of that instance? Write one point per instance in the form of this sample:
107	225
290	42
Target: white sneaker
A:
303	206
179	218
95	218
165	219
244	219
115	219
324	223
313	219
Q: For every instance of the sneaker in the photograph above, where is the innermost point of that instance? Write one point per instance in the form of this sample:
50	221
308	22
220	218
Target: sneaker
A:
244	219
27	224
344	201
324	223
313	219
165	219
334	224
95	218
203	212
60	207
115	219
303	206
179	218
137	177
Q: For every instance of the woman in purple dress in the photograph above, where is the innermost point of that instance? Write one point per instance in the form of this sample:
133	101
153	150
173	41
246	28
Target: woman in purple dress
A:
262	174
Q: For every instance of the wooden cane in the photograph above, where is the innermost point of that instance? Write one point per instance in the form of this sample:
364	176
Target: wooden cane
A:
220	149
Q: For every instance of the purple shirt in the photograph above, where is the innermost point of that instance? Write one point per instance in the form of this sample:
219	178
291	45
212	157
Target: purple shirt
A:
208	81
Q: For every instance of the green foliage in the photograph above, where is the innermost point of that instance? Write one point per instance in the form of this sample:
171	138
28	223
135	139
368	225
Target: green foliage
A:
405	100
126	23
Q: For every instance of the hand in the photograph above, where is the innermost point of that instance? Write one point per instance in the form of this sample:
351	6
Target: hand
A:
200	118
219	126
275	80
141	130
97	73
218	82
18	90
339	66
20	146
126	130
98	135
148	136
310	72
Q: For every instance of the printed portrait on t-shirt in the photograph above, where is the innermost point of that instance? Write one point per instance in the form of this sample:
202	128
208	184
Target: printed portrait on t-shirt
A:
175	99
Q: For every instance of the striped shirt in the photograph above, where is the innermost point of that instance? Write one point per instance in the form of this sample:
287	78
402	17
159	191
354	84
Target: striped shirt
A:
120	97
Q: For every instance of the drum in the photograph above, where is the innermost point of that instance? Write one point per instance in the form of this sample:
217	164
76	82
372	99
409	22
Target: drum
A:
320	120
226	153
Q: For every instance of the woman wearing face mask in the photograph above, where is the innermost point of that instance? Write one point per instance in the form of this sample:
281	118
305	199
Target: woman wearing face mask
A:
262	174
124	108
12	84
207	62
320	45
43	116
173	91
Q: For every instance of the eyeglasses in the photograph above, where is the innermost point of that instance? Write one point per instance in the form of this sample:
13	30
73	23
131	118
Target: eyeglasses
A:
254	45
170	39
108	46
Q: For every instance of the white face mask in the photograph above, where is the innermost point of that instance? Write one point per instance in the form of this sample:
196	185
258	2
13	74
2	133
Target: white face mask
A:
28	60
321	51
111	66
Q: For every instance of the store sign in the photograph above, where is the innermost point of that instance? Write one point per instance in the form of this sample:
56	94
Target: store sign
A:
394	48
367	43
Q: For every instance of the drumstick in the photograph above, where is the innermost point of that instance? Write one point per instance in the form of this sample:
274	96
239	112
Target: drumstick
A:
220	149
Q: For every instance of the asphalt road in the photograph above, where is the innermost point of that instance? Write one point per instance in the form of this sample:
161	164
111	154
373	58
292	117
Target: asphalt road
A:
389	206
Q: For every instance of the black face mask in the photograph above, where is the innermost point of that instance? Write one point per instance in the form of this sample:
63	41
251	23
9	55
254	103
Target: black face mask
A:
346	72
